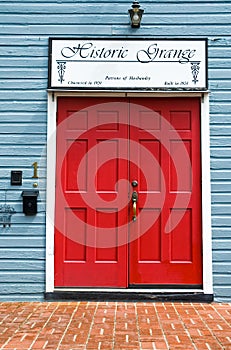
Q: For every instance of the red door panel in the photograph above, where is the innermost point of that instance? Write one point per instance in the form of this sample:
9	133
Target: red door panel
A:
170	252
90	138
103	141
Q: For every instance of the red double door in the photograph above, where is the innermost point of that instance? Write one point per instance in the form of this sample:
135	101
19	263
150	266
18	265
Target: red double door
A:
128	192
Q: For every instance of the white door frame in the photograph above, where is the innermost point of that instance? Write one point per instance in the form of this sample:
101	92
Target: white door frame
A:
205	161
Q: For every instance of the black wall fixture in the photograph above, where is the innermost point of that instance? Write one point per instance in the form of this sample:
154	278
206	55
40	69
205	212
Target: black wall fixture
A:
16	178
135	14
30	202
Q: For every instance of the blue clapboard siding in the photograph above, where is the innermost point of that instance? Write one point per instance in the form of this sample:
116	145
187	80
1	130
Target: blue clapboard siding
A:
25	28
220	121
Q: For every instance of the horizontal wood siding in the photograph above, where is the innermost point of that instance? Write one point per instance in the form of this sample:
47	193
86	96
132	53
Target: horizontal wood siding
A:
25	28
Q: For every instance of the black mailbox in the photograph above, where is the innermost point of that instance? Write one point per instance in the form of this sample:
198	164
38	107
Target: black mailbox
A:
30	202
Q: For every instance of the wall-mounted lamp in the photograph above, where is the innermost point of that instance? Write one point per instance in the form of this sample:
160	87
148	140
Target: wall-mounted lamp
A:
135	14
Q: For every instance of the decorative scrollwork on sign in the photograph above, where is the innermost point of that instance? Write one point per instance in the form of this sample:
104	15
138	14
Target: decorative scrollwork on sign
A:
195	67
61	66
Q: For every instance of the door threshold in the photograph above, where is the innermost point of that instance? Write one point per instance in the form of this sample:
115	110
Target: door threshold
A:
129	295
131	290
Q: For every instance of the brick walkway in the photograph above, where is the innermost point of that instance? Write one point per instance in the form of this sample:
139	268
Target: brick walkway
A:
102	326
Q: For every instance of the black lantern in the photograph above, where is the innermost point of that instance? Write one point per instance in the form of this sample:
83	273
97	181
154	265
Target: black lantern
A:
135	14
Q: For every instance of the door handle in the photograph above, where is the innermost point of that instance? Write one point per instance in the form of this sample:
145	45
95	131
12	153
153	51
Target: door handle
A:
134	202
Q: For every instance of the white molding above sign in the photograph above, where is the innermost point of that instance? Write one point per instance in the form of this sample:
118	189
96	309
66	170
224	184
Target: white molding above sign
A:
150	64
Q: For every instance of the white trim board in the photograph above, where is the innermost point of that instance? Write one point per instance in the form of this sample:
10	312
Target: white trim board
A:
205	160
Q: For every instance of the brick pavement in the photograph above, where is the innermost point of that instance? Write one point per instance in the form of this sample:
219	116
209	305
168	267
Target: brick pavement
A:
114	325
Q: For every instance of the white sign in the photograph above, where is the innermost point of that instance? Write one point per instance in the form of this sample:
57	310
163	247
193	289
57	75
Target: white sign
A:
128	64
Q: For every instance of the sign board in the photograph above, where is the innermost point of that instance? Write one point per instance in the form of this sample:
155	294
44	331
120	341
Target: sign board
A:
128	64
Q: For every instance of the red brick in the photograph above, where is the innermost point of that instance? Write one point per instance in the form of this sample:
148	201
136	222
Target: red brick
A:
90	325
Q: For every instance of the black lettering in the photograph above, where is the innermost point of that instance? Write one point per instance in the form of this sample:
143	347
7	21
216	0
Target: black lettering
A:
85	47
191	53
69	52
114	52
107	53
154	53
101	52
122	53
168	53
162	52
146	56
94	53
